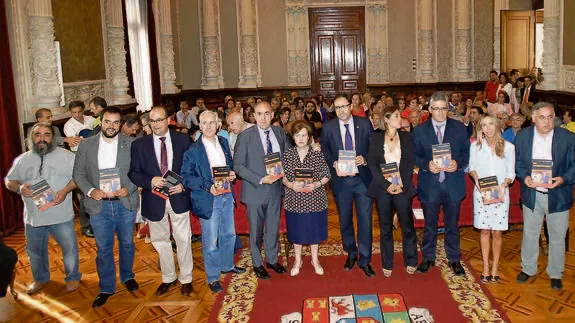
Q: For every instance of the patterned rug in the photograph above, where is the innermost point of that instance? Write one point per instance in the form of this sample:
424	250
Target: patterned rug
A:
447	298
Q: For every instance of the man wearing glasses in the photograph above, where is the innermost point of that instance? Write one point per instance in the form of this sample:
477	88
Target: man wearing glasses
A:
152	157
439	187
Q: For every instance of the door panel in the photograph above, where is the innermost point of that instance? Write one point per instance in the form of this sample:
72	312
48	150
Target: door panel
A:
517	40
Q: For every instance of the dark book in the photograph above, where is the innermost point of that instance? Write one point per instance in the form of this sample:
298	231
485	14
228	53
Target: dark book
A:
273	163
222	179
346	163
441	155
110	180
42	195
542	172
390	172
172	179
490	190
305	177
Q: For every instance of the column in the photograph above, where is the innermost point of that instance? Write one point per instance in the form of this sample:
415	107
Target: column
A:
463	40
426	47
250	76
212	76
498	5
298	45
377	42
166	48
46	90
551	44
118	83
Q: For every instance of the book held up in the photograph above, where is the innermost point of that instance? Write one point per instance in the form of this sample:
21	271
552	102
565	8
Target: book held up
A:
221	176
110	180
346	163
42	195
390	172
490	190
542	172
172	179
441	155
273	164
304	177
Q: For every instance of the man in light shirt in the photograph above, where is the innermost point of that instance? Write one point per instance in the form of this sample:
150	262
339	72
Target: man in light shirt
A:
77	123
236	125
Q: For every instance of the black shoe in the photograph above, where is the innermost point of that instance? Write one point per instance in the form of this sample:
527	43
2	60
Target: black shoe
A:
216	287
457	268
261	272
349	263
164	288
235	270
100	300
522	277
425	265
186	289
277	268
368	271
131	285
556	284
88	232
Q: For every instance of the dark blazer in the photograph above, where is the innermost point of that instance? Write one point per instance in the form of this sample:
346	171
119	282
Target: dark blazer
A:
376	155
198	177
145	165
331	143
563	155
249	165
424	137
531	91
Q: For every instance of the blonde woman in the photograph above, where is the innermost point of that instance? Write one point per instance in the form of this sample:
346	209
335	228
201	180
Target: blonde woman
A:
490	155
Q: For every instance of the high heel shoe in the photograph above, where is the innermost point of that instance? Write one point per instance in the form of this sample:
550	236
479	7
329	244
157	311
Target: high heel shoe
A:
317	268
295	270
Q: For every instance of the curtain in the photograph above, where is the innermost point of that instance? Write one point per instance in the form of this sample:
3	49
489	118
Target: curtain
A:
154	65
10	203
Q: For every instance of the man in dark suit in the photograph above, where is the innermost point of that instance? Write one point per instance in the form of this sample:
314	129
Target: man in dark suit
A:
441	188
527	90
350	133
111	212
261	193
544	141
152	157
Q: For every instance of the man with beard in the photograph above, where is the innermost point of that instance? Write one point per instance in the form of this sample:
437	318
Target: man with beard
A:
45	116
105	154
53	164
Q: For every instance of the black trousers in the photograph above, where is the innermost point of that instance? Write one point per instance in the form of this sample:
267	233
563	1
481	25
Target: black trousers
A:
386	204
8	260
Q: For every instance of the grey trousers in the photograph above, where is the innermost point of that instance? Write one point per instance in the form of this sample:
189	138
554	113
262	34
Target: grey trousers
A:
264	219
557	223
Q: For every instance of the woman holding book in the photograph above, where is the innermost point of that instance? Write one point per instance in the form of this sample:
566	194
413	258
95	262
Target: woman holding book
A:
306	174
492	165
391	153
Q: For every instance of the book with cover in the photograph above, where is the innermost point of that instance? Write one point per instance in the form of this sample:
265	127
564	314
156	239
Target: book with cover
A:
172	179
441	155
305	176
490	190
390	172
222	179
346	163
42	195
110	180
542	172
273	163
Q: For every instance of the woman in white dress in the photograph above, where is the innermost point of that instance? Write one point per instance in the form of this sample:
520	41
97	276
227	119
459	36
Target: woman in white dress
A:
490	155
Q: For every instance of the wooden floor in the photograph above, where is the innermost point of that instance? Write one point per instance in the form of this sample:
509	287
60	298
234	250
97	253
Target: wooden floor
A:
531	302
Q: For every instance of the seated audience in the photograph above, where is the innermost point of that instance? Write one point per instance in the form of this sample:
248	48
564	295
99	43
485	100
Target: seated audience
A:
516	121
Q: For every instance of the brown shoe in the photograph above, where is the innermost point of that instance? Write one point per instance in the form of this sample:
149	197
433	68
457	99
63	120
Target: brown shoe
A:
34	288
72	285
186	289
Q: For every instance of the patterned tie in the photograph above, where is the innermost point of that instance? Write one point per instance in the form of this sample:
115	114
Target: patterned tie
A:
348	139
163	156
525	96
440	140
268	143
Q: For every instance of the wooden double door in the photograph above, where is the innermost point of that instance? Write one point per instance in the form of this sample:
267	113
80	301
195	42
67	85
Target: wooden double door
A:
337	38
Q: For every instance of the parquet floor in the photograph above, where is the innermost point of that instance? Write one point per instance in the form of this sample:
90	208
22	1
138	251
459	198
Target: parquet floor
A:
532	302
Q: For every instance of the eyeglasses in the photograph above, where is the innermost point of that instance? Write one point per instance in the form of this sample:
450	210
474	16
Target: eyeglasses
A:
157	120
440	109
338	107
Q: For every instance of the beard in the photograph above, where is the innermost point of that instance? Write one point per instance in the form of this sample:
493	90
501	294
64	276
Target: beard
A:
47	147
112	135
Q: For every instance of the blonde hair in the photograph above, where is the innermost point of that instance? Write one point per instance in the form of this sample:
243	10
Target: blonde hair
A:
499	142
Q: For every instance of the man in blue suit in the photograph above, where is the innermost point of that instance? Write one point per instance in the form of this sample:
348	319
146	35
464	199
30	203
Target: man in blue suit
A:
152	157
441	188
350	133
544	141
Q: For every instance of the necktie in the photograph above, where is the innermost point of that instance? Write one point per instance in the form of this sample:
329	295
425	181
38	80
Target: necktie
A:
269	148
348	140
163	156
526	96
440	140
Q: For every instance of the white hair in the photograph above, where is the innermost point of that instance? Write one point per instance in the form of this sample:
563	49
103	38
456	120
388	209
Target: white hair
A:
218	120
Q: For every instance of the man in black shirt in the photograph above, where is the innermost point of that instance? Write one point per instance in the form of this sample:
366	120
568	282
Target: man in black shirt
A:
312	116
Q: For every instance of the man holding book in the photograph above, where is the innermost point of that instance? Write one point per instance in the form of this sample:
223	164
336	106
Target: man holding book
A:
206	166
50	167
543	144
441	187
106	156
156	168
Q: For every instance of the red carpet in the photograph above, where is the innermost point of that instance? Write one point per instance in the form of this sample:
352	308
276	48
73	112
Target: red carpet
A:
448	298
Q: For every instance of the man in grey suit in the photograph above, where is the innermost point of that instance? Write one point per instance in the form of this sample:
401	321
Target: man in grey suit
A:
261	193
102	161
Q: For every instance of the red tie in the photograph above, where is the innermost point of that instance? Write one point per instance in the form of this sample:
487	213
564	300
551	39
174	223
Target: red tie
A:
163	156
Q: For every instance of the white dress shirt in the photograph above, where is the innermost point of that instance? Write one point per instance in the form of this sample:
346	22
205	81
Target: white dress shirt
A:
542	149
273	139
107	155
72	128
216	156
351	131
158	149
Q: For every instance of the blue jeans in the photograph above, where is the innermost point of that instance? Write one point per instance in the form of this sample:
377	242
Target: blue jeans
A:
37	249
219	238
113	217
